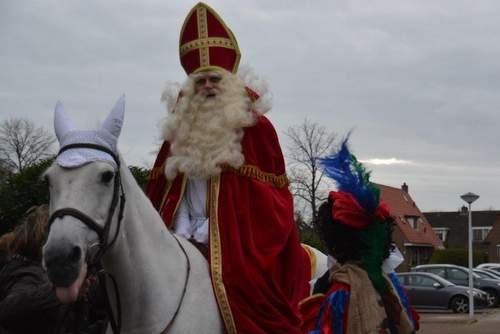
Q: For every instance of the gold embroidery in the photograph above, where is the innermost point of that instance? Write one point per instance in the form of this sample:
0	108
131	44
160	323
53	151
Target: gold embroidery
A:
165	194
279	181
156	172
183	188
205	43
202	35
216	257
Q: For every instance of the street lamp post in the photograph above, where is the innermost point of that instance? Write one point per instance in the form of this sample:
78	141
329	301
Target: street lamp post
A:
470	198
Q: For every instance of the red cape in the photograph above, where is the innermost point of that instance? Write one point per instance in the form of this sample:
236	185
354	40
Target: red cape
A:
259	269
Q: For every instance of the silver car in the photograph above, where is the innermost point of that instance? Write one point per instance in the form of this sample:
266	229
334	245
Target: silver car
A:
426	290
460	276
490	266
486	273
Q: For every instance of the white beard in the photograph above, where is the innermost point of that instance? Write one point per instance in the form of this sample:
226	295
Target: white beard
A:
206	133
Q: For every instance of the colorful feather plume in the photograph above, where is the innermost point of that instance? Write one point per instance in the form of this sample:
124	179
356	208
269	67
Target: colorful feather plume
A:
351	176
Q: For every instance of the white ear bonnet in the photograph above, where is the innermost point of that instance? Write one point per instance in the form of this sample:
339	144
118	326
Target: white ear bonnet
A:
107	136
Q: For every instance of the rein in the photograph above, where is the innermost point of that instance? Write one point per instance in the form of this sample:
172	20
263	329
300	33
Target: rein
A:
188	272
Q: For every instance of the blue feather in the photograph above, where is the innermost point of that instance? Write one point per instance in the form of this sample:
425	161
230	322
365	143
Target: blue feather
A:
350	176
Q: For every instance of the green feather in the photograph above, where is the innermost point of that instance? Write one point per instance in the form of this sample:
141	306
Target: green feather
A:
373	240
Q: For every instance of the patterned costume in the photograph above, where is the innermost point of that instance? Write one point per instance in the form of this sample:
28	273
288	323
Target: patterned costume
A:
360	299
259	270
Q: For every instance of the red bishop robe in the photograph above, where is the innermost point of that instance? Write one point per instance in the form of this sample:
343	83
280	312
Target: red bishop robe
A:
258	267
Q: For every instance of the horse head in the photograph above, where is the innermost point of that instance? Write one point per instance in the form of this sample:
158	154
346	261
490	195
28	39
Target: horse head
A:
86	199
163	282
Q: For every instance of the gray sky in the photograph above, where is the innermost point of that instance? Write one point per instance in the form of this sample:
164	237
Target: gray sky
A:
418	81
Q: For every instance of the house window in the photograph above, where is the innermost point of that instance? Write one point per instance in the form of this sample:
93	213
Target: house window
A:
441	232
480	233
418	255
412	221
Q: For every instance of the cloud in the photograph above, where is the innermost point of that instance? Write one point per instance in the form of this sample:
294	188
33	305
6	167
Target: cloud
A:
389	161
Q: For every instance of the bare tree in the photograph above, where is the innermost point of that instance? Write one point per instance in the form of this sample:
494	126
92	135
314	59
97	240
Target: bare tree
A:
22	144
309	141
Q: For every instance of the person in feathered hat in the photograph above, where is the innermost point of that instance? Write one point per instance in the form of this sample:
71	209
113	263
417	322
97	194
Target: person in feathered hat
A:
359	298
219	180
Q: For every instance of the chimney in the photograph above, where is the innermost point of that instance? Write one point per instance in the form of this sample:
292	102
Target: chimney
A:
404	187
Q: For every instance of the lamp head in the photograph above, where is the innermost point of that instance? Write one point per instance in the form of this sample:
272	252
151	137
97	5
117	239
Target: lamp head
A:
469	197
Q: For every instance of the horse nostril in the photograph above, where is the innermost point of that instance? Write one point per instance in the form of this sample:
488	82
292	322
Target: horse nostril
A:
76	254
63	263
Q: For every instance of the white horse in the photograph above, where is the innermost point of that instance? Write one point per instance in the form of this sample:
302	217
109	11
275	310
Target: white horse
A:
163	282
148	262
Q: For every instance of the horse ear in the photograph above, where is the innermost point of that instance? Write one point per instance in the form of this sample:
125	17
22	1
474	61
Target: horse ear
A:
62	123
113	123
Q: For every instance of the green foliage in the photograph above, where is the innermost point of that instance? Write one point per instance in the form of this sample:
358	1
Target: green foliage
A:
310	237
20	191
457	256
308	234
140	174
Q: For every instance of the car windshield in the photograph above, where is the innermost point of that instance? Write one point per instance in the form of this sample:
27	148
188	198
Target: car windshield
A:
453	271
495	274
482	274
423	279
486	274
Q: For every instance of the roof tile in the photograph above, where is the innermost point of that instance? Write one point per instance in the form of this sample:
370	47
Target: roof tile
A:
402	205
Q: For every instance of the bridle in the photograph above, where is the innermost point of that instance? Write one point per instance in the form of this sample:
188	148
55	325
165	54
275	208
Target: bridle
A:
118	196
94	262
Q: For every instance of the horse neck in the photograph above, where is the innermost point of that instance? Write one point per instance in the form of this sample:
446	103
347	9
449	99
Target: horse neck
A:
146	261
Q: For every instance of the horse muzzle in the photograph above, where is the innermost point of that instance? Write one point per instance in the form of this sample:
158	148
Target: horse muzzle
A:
62	263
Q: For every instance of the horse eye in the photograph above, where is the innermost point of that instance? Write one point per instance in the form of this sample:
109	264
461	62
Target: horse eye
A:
46	179
107	176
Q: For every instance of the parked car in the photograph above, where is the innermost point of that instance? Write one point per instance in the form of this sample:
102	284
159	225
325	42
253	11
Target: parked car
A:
493	272
460	276
490	266
485	273
426	290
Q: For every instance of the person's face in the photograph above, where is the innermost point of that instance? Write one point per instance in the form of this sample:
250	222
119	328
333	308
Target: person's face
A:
207	84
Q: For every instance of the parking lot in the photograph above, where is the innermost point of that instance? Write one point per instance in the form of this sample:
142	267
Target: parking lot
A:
486	321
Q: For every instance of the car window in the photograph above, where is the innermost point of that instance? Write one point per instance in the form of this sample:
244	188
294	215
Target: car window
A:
482	275
493	274
454	273
438	271
403	279
421	280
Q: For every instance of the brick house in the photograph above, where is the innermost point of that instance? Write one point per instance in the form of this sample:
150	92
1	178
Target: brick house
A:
493	239
451	227
412	232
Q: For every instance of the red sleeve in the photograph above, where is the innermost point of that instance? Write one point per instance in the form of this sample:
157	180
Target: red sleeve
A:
157	182
309	309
